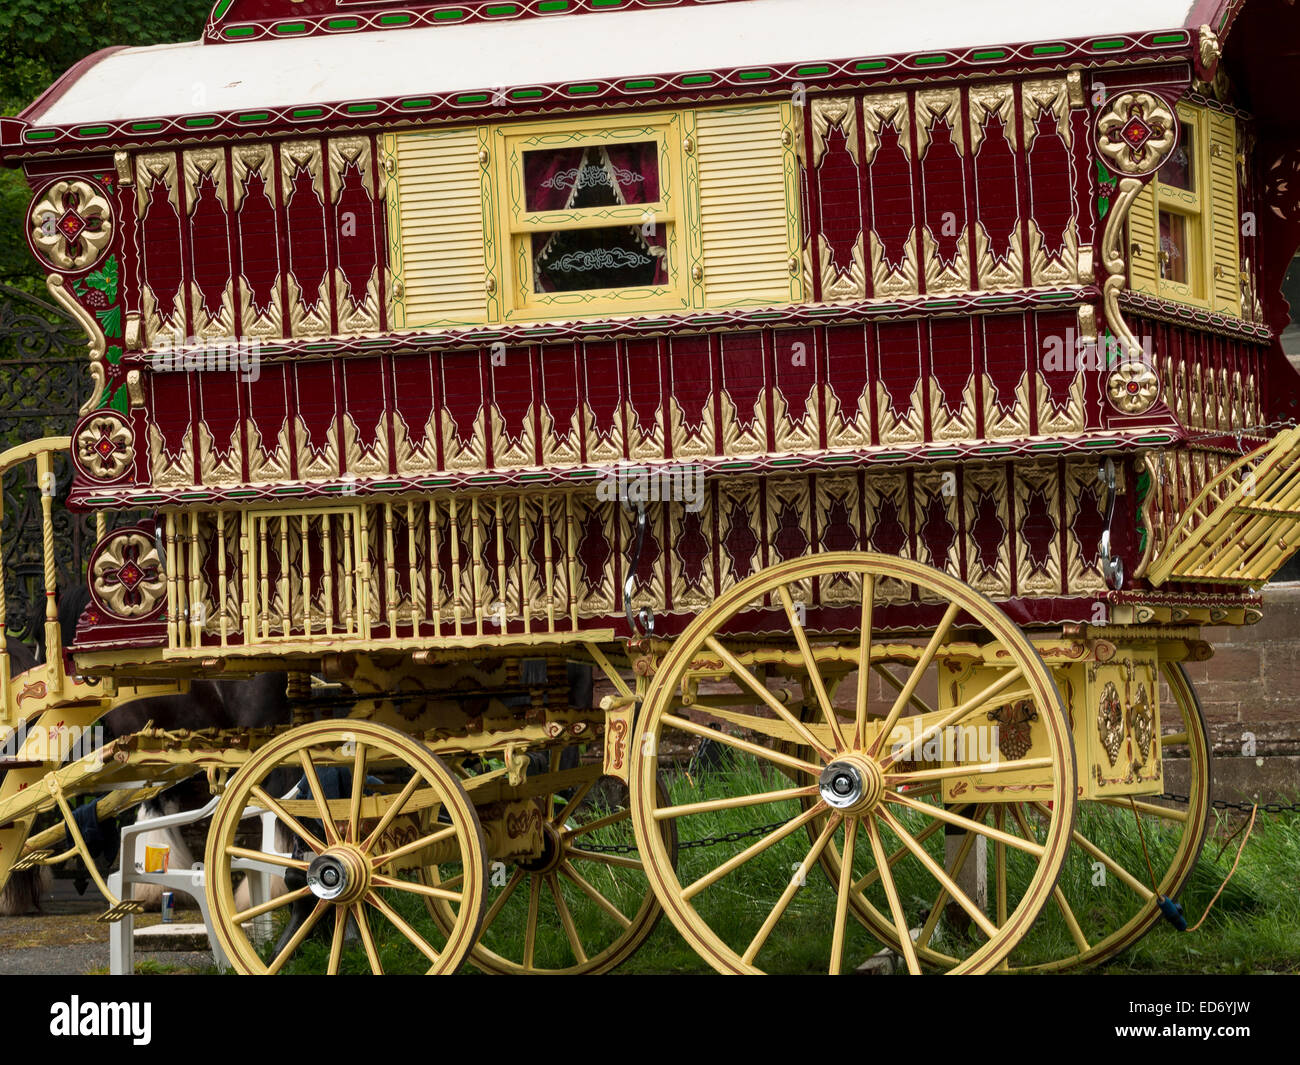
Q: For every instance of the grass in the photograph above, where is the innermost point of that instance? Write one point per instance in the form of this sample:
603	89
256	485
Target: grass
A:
1253	928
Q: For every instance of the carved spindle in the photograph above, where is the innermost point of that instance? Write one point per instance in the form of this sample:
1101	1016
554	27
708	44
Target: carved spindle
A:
454	532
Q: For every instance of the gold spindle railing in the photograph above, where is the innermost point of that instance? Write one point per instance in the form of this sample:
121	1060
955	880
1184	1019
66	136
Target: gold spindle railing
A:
327	552
549	533
348	533
248	576
570	544
363	574
476	547
411	567
223	589
53	643
390	571
501	564
286	621
453	531
435	571
264	574
175	626
198	608
525	565
306	576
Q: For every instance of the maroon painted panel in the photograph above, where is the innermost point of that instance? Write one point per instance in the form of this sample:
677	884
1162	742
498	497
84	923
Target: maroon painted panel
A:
267	403
366	401
257	226
210	251
796	360
846	368
1005	344
1051	190
413	394
160	250
691	375
218	394
604	381
996	177
356	233
559	378
892	209
899	361
170	412
1059	381
317	408
840	187
744	376
513	390
462	393
308	254
645	388
944	191
952	359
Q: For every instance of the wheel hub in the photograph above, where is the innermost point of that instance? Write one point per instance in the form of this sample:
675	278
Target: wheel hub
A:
552	852
852	783
339	874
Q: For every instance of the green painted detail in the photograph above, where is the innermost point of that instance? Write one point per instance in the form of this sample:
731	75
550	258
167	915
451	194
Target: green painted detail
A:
38	134
200	121
535	477
996	53
287	28
941	305
768	316
394	20
554	5
1170	38
756	75
1048	49
870	64
113	356
930	60
1059	296
307	112
342	24
697	79
1103	174
804	72
525	94
473	98
582	90
994	450
503	9
426	102
1103	206
1098	443
607	3
291	491
1105	46
150	498
145	127
484	480
221	9
253	116
643	83
438	482
944	453
242	494
892	455
787	462
455	15
1046	447
358	109
717	320
888	307
585	475
841	458
387	485
736	466
92	131
96	500
236	32
993	301
187	496
1160	439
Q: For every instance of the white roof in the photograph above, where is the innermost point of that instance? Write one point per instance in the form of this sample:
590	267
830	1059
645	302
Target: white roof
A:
190	78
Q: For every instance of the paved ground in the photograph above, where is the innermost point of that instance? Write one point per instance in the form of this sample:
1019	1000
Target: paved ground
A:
66	939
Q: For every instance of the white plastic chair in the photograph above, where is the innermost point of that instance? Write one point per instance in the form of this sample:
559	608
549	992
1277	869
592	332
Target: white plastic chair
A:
121	951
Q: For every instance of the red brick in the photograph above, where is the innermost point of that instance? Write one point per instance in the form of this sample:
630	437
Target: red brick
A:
1233	664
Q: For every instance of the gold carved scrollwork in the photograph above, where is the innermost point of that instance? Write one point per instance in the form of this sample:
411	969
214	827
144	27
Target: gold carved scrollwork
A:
104	446
71	225
90	324
1136	132
126	576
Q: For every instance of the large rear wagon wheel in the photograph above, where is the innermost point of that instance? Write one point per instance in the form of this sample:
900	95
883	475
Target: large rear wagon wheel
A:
368	805
730	899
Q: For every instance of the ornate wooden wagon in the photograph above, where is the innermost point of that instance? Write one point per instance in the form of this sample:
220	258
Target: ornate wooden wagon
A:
887	396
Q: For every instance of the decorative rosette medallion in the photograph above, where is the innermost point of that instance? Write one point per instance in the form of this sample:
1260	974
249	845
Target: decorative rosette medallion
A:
1136	132
104	446
71	225
1133	387
126	575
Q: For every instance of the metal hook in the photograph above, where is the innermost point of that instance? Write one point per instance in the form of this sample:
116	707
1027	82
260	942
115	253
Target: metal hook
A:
644	619
1112	567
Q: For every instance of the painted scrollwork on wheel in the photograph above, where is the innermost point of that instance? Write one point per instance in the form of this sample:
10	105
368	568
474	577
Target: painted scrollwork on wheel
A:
1110	721
1136	133
104	448
126	575
71	225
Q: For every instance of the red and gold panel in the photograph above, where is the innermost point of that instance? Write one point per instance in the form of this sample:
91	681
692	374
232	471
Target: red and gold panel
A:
513	373
744	392
847	389
1006	340
171	430
789	517
306	247
900	383
560	410
1038	533
161	255
887	132
1085	521
953	405
605	380
357	226
937	507
795	409
257	229
211	257
1060	390
838	247
998	228
316	421
268	436
1053	217
839	528
888	526
220	428
945	228
595	546
690	398
987	530
740	530
415	417
691	556
464	436
646	396
366	406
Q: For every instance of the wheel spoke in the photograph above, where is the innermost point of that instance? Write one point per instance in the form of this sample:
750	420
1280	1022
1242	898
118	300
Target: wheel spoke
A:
895	903
874	875
367	940
752	851
1140	889
914	678
595	826
992	697
318	793
951	818
566	919
1000	864
937	871
336	943
416	888
358	790
567	870
562	814
796	881
959	863
846	877
553	765
394	808
771	701
759	751
889	677
267	803
269	857
948	772
399	922
269	905
530	929
1062	904
810	664
1174	739
506	892
304	930
430	840
1165	813
713	805
864	661
620	861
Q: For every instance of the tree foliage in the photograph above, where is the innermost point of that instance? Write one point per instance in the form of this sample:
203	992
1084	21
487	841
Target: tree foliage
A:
39	40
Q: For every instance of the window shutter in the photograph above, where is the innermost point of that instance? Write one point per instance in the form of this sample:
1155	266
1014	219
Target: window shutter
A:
1225	221
1144	243
439	254
748	206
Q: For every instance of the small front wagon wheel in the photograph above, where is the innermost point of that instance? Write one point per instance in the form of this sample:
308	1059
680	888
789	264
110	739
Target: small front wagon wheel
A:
748	898
363	808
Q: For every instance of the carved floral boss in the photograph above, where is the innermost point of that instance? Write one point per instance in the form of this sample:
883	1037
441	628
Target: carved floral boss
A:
71	225
1136	131
126	575
105	446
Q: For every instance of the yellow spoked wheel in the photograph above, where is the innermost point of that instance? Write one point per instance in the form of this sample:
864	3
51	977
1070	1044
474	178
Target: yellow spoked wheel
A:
368	807
1124	856
584	906
748	904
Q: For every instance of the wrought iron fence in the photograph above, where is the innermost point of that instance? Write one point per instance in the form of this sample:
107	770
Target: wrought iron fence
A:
43	382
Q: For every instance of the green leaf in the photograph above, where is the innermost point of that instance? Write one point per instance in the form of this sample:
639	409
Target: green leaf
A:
114	355
111	321
119	401
105	279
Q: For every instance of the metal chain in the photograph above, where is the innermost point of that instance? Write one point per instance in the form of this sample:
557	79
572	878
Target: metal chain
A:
1245	807
690	844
